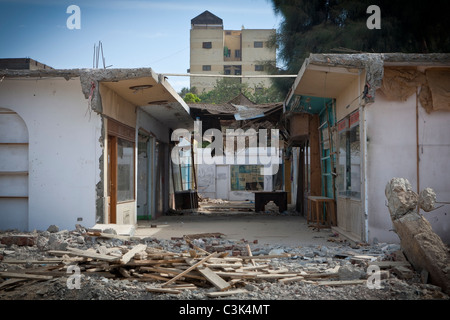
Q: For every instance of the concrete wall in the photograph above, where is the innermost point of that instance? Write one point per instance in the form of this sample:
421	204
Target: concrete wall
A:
391	134
64	150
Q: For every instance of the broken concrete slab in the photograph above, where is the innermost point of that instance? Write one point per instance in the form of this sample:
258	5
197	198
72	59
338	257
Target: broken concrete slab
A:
421	245
120	229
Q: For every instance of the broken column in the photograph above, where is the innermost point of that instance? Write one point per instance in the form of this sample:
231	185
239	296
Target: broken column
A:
421	245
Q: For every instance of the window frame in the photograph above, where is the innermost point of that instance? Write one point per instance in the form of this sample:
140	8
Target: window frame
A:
207	45
258	44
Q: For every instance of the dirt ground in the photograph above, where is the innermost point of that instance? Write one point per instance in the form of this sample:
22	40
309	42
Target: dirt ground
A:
266	229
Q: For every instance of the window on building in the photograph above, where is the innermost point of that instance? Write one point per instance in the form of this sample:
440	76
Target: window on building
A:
237	53
258	44
349	170
206	68
125	170
207	45
259	67
238	70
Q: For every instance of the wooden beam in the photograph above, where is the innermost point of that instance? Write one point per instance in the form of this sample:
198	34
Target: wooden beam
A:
84	254
341	283
225	293
24	276
192	267
162	290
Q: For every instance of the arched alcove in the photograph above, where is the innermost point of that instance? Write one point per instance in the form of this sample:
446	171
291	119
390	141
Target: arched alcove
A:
13	171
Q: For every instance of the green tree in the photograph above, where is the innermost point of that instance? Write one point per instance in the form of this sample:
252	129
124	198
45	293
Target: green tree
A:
191	98
228	88
330	26
186	90
224	90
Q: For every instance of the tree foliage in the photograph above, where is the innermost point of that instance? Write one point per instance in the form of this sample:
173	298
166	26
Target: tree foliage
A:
330	26
227	89
191	98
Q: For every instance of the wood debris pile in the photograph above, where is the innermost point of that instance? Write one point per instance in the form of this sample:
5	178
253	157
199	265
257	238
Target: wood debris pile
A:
166	271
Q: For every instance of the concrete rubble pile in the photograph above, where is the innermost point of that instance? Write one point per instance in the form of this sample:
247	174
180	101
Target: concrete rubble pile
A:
47	265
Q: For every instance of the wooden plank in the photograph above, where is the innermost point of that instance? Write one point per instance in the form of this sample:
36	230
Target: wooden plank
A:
24	276
291	279
172	271
214	279
130	254
275	276
154	276
249	251
341	283
262	266
225	293
263	257
224	265
84	254
237	275
162	290
50	261
190	268
138	263
11	282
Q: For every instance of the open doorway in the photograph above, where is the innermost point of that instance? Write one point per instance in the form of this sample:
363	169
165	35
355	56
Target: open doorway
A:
145	172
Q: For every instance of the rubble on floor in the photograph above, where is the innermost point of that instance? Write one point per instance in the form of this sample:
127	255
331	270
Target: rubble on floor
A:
85	265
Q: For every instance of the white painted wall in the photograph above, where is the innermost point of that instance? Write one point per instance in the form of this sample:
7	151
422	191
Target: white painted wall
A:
208	180
64	149
391	133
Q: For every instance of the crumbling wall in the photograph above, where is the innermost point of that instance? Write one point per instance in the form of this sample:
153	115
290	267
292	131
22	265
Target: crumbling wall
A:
421	245
399	83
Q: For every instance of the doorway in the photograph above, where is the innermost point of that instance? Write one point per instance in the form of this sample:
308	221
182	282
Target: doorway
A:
120	181
145	196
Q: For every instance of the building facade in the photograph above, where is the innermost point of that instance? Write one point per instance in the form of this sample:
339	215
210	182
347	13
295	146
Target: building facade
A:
371	118
214	51
85	146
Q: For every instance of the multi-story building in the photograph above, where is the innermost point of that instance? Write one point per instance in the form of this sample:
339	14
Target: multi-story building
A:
215	51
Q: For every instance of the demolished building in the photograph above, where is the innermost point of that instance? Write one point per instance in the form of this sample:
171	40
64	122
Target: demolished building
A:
87	146
356	121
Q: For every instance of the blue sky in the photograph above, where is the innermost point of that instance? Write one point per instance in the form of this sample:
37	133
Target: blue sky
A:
136	33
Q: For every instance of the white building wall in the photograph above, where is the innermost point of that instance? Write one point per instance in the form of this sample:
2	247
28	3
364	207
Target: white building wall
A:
208	180
391	134
64	149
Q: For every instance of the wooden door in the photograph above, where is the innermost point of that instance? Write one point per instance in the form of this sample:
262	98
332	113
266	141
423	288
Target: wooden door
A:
112	179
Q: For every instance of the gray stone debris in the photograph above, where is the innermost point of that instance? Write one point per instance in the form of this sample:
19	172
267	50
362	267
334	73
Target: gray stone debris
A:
427	199
53	228
335	259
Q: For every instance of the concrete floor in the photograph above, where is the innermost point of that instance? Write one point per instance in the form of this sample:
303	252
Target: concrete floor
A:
267	229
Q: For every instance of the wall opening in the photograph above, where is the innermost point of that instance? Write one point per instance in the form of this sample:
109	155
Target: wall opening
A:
13	171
